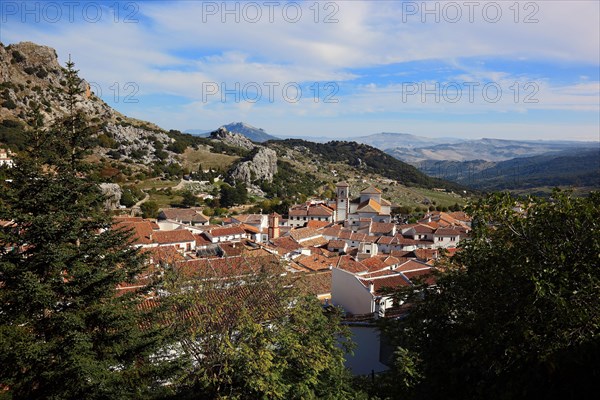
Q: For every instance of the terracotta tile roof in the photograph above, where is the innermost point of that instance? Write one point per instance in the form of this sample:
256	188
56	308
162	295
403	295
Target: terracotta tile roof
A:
460	215
315	262
141	231
163	254
337	244
249	228
374	264
424	275
426	254
370	239
176	236
318	283
227	231
342	184
202	240
333	231
390	260
320	210
412	265
347	263
301	234
371	190
423	229
446	232
317	224
370	206
319	241
322	251
401	254
285	245
382	227
392	281
232	249
385	240
313	210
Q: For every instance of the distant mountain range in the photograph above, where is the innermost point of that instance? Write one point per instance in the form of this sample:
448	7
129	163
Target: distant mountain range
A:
388	140
483	149
485	164
572	168
255	134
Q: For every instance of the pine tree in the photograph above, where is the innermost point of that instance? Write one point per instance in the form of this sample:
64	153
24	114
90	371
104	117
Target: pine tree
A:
65	332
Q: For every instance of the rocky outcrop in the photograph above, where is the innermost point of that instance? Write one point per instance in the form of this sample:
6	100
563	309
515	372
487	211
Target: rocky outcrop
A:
112	194
32	78
260	167
232	139
139	144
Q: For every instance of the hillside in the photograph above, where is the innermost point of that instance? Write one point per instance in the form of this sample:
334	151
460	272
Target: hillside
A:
368	159
569	168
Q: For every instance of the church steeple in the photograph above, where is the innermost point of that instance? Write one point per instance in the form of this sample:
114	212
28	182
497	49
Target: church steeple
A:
343	206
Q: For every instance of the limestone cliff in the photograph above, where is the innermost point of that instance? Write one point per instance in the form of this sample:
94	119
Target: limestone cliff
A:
260	167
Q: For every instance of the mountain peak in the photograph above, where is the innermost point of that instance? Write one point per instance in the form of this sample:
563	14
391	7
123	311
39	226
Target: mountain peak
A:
255	134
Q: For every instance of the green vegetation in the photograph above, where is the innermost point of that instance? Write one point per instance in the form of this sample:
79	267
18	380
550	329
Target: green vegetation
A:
12	134
371	160
288	183
260	340
233	195
149	209
64	331
184	140
514	315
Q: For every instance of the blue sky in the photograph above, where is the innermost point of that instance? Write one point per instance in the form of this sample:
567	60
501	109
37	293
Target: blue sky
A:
505	69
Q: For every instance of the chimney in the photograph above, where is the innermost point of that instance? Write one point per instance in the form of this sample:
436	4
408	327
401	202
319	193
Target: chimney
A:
371	287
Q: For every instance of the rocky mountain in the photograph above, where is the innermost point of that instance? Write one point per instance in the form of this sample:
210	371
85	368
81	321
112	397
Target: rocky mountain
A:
232	139
483	149
258	167
257	135
32	78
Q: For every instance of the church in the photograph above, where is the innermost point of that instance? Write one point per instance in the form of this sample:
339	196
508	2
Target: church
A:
369	205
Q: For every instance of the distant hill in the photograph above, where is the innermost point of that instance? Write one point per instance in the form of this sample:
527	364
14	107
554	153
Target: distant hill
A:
388	140
257	135
251	132
366	158
573	168
484	149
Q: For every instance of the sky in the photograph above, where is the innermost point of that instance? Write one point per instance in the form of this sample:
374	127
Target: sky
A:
469	69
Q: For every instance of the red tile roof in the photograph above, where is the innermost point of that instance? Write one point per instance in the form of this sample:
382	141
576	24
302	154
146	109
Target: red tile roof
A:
176	236
227	231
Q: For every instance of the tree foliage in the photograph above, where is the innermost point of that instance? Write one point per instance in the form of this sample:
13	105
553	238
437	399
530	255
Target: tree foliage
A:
516	312
65	333
255	337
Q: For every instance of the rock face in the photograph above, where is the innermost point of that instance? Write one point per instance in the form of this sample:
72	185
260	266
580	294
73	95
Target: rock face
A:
112	193
31	76
232	139
135	142
261	167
